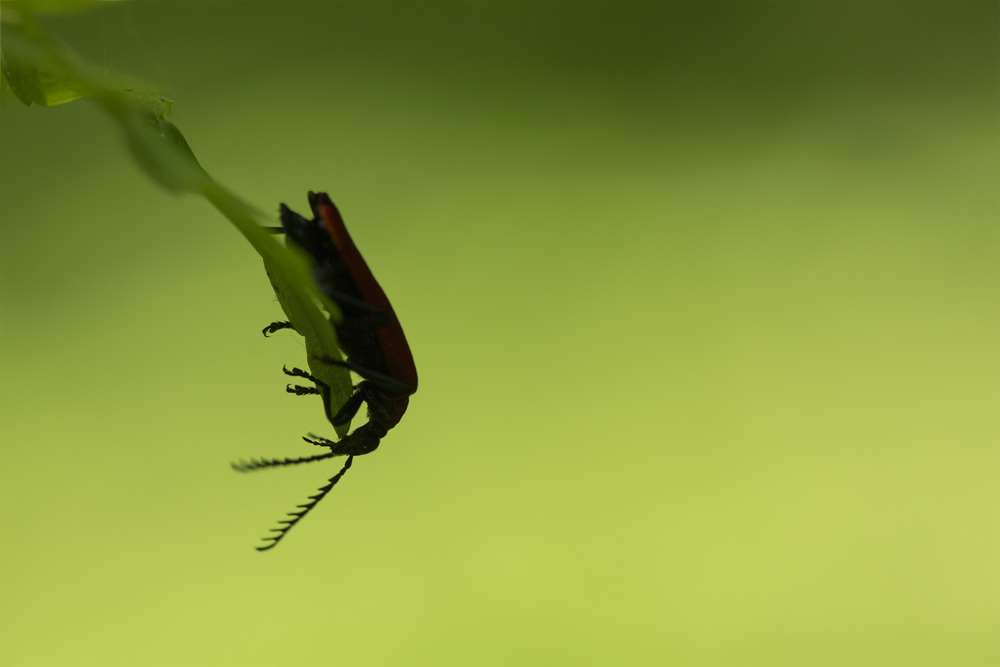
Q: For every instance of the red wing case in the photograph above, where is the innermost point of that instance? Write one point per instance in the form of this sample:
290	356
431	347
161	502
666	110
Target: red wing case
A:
392	340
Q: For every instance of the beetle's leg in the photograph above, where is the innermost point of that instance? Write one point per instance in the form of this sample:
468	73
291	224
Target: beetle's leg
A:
396	387
350	408
277	326
299	390
299	373
374	318
363	440
369	316
318	440
298	229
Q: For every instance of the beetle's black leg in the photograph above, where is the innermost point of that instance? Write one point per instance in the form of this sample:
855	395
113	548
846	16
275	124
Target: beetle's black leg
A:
299	390
300	230
369	315
350	408
364	439
391	384
318	440
373	318
299	373
277	326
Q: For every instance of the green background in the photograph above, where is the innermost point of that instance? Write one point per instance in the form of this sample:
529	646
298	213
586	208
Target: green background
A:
704	301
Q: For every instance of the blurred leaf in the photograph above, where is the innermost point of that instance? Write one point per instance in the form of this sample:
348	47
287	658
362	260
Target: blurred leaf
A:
41	71
53	6
36	68
6	93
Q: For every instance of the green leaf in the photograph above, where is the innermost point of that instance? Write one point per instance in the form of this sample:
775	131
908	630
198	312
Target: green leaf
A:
320	339
41	71
298	295
35	67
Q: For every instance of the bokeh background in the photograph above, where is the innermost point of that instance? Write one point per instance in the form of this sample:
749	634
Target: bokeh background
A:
704	300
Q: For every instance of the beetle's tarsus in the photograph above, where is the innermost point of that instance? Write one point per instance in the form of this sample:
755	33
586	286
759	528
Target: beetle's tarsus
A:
299	373
299	390
276	326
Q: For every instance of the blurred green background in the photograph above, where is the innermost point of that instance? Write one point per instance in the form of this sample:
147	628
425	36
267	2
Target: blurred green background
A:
704	300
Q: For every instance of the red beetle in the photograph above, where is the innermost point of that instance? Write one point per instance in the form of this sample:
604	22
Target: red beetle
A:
369	334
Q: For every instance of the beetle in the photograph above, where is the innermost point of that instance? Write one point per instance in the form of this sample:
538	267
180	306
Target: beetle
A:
369	334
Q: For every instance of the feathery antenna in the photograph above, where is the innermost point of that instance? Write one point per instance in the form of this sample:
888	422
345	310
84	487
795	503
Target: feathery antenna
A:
257	464
286	525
